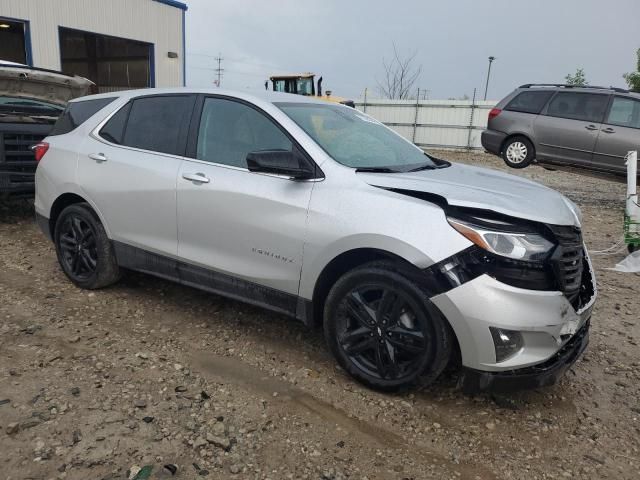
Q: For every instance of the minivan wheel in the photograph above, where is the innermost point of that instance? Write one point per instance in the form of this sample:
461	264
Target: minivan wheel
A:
383	329
84	251
517	152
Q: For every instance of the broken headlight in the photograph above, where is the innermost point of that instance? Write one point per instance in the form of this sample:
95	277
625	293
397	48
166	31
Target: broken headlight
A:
497	238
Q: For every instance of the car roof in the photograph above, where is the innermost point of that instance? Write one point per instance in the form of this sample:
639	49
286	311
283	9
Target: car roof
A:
581	89
254	96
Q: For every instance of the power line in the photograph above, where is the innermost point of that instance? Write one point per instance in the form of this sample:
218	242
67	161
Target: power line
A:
219	71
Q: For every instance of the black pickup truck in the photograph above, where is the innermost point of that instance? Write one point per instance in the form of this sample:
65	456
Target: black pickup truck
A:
31	100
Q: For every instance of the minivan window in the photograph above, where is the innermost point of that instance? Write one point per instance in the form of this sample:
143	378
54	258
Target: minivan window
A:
530	101
624	112
77	113
588	107
113	130
356	140
159	123
230	130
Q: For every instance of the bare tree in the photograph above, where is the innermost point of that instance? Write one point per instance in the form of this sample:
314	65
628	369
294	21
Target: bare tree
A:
400	76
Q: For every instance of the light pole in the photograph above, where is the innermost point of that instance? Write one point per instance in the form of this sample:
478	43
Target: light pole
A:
486	87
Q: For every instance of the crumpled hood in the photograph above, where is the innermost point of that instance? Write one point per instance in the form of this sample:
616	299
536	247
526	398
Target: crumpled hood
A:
37	84
474	187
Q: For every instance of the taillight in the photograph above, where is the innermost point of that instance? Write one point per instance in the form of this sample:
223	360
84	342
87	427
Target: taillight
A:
39	149
494	113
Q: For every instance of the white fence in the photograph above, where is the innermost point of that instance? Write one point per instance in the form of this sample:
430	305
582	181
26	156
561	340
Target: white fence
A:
433	123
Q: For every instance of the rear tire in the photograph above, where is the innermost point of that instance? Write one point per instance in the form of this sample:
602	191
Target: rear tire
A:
84	251
383	330
517	152
632	248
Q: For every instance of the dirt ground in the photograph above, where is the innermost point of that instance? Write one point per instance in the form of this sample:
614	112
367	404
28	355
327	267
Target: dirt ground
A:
152	373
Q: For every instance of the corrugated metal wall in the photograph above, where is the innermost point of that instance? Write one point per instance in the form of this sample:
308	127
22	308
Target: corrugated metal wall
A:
433	123
144	20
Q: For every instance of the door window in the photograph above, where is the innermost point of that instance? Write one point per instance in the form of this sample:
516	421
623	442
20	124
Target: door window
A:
624	112
530	102
587	107
158	123
230	130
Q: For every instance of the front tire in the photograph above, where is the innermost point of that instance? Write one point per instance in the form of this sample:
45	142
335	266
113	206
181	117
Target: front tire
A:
84	251
383	329
517	152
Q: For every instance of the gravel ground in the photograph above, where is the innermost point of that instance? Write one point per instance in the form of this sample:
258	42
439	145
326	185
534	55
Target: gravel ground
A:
95	384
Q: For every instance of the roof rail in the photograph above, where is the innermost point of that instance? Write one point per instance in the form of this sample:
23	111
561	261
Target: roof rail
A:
564	85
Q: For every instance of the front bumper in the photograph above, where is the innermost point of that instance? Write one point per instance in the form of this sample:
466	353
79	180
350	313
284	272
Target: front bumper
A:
547	321
535	376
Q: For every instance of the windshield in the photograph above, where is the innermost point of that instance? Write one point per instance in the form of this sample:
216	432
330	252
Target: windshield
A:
355	139
305	86
14	104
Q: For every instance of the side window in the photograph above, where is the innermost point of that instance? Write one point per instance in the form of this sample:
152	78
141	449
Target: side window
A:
159	123
113	130
588	107
530	101
230	130
624	112
77	113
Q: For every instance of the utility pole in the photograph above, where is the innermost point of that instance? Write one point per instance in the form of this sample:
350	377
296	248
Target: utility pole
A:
219	70
486	87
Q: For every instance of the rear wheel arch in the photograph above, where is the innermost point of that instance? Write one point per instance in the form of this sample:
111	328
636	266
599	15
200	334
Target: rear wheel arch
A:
63	201
515	135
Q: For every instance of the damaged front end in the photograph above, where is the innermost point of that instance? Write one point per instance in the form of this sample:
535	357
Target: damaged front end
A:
519	299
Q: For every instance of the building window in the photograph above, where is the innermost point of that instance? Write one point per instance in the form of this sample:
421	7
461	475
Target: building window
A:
13	41
112	63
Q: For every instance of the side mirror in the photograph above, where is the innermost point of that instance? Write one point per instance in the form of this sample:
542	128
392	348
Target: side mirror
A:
279	162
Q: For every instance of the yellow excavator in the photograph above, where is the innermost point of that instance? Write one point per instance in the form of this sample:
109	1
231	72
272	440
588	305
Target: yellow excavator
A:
303	84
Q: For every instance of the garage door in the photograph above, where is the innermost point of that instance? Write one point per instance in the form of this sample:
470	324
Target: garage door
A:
112	63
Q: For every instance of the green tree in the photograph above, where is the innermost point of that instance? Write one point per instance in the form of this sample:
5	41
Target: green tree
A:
578	79
633	78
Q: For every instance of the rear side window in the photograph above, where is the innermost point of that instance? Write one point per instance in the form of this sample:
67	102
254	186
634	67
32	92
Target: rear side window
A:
77	113
587	107
159	123
113	130
529	102
624	112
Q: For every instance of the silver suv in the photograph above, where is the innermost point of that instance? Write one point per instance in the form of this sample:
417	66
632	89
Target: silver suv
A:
317	211
585	127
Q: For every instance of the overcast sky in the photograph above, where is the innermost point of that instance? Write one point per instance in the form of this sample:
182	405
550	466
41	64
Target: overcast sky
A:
345	42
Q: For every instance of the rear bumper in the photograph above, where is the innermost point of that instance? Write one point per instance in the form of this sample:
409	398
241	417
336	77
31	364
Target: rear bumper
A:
547	373
43	223
492	141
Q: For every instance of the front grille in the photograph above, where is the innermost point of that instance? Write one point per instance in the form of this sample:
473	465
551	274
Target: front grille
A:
568	262
17	162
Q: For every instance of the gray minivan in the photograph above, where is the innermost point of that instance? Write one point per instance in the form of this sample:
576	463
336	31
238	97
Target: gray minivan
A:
588	127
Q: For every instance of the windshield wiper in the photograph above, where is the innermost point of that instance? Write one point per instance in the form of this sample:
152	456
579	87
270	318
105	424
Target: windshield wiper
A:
426	166
376	170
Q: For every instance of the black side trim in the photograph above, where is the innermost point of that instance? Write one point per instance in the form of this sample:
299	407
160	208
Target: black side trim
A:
540	375
206	279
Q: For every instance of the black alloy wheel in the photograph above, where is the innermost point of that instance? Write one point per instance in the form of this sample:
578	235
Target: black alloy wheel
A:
379	331
84	251
383	329
77	241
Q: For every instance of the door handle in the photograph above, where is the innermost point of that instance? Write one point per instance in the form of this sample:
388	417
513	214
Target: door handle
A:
609	130
591	127
196	177
98	157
